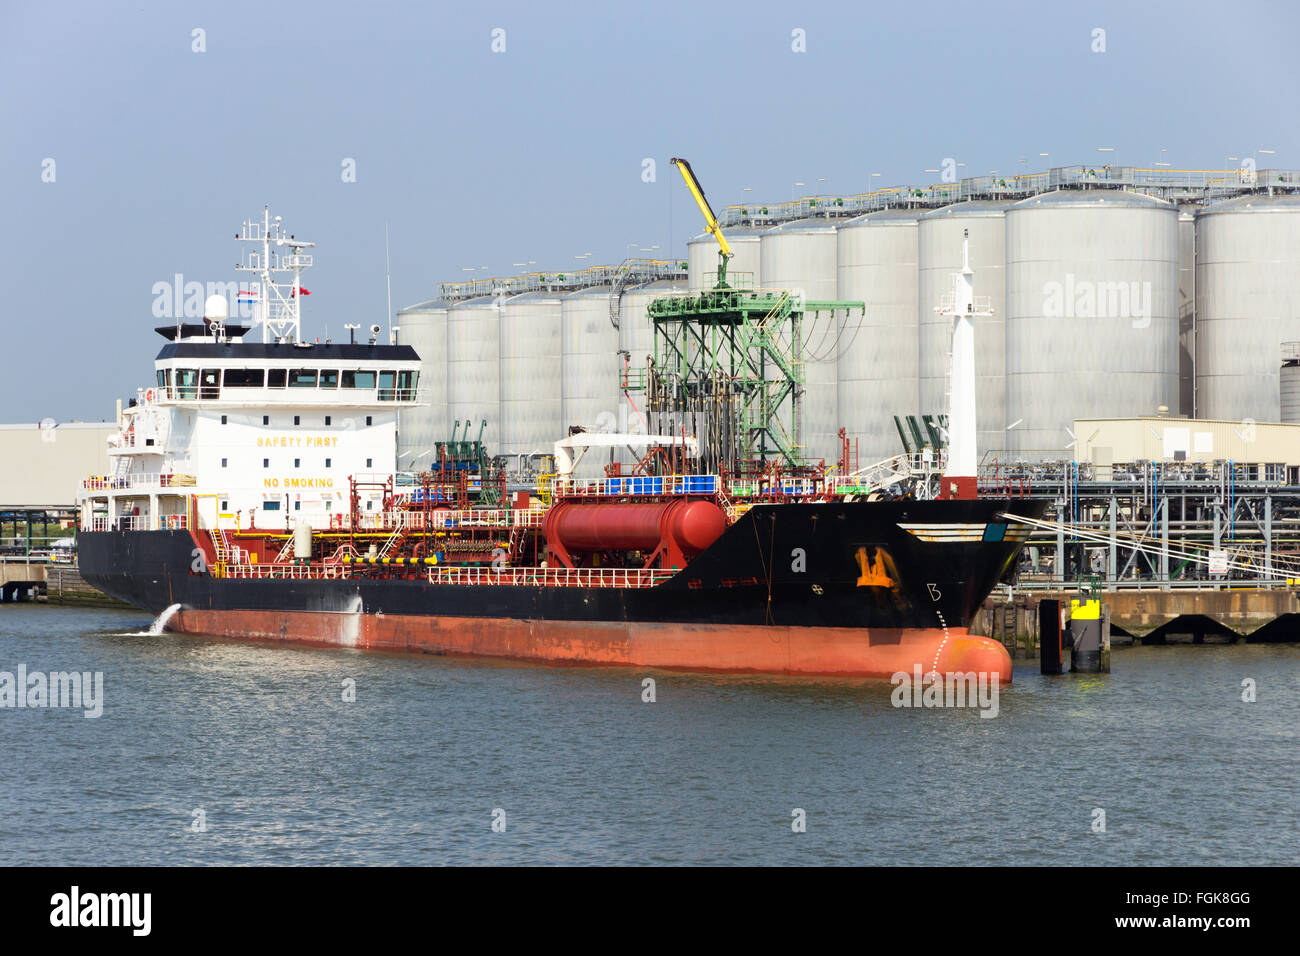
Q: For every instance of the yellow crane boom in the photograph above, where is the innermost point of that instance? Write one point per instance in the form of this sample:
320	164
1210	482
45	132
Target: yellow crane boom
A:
710	220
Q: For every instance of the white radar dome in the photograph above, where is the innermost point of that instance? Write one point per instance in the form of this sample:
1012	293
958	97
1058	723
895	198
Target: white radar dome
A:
215	308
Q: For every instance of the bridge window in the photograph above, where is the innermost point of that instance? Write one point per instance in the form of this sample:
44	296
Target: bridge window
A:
162	378
244	378
406	385
187	384
275	377
210	383
387	380
329	378
302	378
360	378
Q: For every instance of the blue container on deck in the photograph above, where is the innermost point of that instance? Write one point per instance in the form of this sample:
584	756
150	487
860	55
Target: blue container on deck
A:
645	485
702	484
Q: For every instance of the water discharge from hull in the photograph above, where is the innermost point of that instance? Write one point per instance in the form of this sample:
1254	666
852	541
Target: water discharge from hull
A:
351	631
160	622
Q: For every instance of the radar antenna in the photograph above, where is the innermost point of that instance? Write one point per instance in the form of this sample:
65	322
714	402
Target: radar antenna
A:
279	310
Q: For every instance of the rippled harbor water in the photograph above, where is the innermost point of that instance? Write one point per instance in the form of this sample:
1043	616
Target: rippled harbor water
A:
286	771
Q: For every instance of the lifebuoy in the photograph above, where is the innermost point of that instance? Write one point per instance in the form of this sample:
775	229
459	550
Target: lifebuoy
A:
150	395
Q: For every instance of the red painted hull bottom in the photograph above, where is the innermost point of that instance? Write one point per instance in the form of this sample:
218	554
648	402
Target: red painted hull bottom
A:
811	651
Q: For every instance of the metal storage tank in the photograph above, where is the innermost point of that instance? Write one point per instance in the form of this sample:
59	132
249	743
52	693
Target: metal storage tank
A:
472	366
877	368
803	256
636	338
940	240
702	259
1289	382
589	369
1247	303
1092	313
529	385
424	328
1187	311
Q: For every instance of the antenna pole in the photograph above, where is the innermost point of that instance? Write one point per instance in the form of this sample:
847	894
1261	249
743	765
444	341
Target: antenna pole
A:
388	278
279	305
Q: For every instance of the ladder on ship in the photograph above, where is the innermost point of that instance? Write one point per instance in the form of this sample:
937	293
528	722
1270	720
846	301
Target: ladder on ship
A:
226	552
394	540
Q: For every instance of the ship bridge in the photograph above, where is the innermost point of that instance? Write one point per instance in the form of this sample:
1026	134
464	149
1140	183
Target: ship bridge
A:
236	433
282	374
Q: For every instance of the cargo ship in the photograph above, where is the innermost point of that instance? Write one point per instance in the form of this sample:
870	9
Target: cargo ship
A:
255	494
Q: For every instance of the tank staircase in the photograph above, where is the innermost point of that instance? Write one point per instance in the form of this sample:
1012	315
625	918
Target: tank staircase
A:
395	541
226	552
286	551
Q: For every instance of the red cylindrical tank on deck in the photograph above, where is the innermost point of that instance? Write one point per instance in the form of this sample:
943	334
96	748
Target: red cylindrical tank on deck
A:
681	527
695	525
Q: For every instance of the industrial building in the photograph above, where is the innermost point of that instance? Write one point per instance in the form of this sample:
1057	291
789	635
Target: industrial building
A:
1114	291
49	461
38	491
1200	441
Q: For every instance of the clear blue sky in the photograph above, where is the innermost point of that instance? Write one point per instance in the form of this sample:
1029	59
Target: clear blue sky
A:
482	159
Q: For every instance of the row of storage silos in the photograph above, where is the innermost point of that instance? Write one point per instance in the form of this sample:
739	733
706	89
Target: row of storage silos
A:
530	365
1093	293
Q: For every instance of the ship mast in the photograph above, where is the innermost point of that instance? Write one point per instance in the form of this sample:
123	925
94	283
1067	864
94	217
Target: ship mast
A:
279	309
959	476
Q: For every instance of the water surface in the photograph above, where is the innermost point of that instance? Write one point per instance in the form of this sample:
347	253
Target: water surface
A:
259	737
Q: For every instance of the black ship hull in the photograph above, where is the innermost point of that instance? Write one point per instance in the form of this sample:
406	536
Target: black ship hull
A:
792	588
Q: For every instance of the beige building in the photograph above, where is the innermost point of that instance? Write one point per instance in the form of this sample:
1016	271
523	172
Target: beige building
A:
1107	441
42	467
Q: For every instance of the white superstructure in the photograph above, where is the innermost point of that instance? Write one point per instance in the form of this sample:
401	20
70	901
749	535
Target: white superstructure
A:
264	434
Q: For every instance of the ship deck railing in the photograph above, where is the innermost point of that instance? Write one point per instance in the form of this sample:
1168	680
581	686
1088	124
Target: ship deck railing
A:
441	519
147	480
102	522
268	395
635	485
464	576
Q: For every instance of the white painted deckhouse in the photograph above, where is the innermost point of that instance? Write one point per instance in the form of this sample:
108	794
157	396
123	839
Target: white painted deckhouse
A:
236	433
